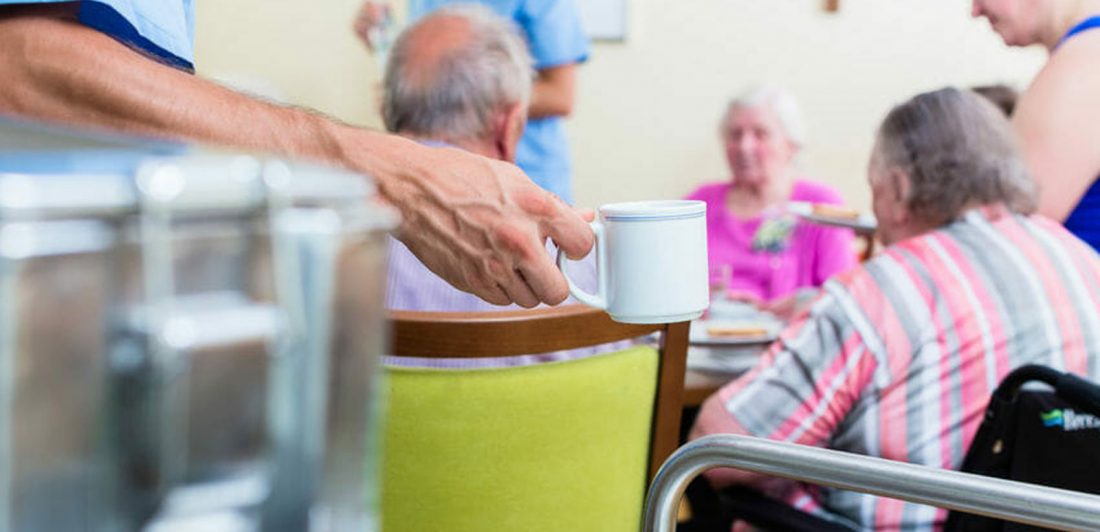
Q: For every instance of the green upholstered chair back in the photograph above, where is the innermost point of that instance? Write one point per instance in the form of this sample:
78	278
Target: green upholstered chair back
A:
549	447
561	446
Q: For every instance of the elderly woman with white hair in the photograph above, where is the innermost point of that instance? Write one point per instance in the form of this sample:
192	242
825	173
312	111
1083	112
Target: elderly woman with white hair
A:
759	251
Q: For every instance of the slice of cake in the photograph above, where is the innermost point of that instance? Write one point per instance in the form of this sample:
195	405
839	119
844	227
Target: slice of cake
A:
835	211
736	332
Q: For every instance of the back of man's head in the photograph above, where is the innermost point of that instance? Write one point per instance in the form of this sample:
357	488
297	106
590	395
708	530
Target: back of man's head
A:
958	151
452	73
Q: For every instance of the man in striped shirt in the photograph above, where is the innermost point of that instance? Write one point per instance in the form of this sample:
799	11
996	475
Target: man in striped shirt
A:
898	357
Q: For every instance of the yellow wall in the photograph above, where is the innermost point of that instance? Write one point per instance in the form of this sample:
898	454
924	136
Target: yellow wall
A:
645	125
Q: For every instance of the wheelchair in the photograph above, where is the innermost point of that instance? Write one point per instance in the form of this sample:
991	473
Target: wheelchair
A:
1048	435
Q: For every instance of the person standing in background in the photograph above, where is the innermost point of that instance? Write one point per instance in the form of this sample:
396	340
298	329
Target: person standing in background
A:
1058	116
556	40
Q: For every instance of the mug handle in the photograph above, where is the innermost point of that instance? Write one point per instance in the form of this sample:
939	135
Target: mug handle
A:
599	299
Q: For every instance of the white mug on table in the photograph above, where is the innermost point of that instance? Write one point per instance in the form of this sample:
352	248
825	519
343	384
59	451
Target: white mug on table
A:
652	261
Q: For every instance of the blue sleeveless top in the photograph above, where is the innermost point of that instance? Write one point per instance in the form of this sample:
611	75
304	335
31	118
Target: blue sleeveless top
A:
1084	221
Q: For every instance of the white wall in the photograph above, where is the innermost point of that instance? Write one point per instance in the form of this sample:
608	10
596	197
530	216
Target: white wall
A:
646	122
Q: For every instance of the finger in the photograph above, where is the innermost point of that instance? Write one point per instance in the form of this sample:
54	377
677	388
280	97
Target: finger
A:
571	233
490	293
516	287
480	283
505	277
544	279
585	213
531	267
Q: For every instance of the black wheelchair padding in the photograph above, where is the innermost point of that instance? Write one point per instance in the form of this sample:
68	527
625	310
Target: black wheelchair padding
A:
1048	437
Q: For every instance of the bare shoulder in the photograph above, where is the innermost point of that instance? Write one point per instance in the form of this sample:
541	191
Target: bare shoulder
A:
1058	120
1069	82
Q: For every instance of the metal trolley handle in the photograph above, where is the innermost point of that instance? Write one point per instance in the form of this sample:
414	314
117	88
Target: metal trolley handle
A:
998	498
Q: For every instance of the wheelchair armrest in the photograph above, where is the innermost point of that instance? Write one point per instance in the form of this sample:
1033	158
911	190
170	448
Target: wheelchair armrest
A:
993	497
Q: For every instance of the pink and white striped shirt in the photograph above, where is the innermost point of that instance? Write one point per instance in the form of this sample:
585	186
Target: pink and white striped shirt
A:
897	358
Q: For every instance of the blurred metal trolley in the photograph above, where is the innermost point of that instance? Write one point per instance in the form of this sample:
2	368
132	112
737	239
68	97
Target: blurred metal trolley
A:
993	497
187	337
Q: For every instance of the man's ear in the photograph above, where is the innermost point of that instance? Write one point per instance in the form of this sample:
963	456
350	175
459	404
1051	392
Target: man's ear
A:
509	128
902	185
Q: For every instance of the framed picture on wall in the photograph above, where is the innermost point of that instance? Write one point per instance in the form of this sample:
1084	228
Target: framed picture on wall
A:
604	20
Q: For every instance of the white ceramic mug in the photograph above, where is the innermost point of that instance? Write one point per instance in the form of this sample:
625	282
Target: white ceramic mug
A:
651	258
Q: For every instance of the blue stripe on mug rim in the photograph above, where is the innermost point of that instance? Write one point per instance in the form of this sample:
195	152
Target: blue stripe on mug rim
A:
652	218
637	211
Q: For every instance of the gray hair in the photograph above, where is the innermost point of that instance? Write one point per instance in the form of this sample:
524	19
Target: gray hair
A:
467	85
779	101
958	150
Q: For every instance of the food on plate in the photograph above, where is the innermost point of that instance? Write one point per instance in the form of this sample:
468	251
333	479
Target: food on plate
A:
835	211
736	332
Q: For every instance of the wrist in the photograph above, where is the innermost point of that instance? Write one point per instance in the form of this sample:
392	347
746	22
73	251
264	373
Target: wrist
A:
392	163
372	153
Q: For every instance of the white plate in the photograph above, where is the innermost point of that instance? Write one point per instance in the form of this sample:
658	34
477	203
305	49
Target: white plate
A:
718	359
722	309
700	336
864	223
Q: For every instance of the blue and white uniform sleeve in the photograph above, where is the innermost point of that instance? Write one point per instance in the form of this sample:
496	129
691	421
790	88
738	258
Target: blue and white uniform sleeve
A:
163	29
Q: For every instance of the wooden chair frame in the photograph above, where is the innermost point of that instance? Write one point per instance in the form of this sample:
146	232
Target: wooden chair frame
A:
543	330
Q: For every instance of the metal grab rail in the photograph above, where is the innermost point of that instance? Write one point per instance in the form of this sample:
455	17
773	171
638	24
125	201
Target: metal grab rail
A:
993	497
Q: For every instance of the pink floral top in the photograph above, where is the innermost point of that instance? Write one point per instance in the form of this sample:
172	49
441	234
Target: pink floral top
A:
776	253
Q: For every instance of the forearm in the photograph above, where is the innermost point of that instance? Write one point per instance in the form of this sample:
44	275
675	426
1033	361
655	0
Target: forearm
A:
60	71
553	91
713	419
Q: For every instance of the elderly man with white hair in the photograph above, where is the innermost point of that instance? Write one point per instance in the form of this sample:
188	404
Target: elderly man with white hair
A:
898	357
459	77
758	250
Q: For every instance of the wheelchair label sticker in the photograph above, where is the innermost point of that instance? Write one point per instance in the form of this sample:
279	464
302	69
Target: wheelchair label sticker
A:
1069	420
